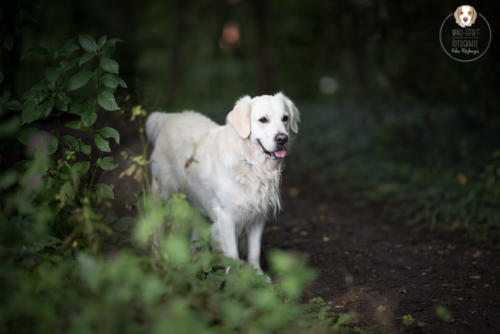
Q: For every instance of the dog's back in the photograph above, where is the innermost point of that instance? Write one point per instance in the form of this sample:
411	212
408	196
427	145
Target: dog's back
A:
175	137
188	125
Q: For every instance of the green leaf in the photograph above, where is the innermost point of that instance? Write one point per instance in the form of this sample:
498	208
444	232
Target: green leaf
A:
30	112
113	81
178	249
104	191
41	91
79	79
84	148
68	64
46	107
443	313
66	194
86	57
89	118
79	108
72	142
112	42
77	125
53	74
341	321
106	163
101	143
108	132
109	47
62	101
52	146
75	108
66	49
107	101
110	65
108	51
81	168
88	43
1	77
408	320
89	105
102	41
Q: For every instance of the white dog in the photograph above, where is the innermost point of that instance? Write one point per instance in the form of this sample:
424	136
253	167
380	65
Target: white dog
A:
230	172
465	16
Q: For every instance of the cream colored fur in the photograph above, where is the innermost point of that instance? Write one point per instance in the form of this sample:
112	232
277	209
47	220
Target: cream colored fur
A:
230	171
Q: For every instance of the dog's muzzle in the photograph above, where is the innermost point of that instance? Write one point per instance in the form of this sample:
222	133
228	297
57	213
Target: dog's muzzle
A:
278	154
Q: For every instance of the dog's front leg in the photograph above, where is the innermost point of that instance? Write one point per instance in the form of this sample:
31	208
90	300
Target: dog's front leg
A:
224	231
254	232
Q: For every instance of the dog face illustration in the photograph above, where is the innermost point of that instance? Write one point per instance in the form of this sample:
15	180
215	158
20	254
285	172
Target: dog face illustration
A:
465	16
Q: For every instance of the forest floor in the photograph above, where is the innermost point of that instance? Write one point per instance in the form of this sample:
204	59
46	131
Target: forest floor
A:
380	270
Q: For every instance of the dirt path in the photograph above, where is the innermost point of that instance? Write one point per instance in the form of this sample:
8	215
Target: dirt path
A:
382	269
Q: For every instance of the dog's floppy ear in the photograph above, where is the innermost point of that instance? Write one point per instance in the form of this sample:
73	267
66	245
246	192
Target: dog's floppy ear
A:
294	112
239	117
474	15
457	15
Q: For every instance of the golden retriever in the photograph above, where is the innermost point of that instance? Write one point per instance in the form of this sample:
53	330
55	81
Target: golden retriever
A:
230	172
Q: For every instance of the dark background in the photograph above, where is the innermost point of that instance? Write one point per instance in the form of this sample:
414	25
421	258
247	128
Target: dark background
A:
175	55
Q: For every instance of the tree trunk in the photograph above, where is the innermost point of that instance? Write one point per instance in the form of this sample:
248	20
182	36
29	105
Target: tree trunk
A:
264	66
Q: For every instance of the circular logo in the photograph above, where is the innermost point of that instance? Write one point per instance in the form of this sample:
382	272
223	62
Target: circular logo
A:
465	35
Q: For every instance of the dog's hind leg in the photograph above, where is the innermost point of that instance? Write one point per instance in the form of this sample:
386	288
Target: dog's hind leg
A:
224	231
254	232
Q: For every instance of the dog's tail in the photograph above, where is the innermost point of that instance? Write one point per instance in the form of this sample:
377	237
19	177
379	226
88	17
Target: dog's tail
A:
154	125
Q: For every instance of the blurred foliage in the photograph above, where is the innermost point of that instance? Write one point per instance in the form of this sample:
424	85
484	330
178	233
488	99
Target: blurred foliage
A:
47	286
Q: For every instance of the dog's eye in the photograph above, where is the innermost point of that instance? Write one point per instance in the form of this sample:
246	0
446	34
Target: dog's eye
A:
263	120
285	118
461	12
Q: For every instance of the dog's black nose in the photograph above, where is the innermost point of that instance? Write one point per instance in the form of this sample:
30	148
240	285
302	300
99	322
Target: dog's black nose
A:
281	138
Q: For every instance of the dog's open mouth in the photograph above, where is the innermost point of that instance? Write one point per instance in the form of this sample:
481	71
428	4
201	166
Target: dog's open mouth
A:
278	154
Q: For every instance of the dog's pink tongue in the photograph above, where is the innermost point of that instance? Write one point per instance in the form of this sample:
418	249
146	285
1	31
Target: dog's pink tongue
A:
280	154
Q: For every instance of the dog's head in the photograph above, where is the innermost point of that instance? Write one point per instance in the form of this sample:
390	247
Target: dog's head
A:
268	121
465	15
